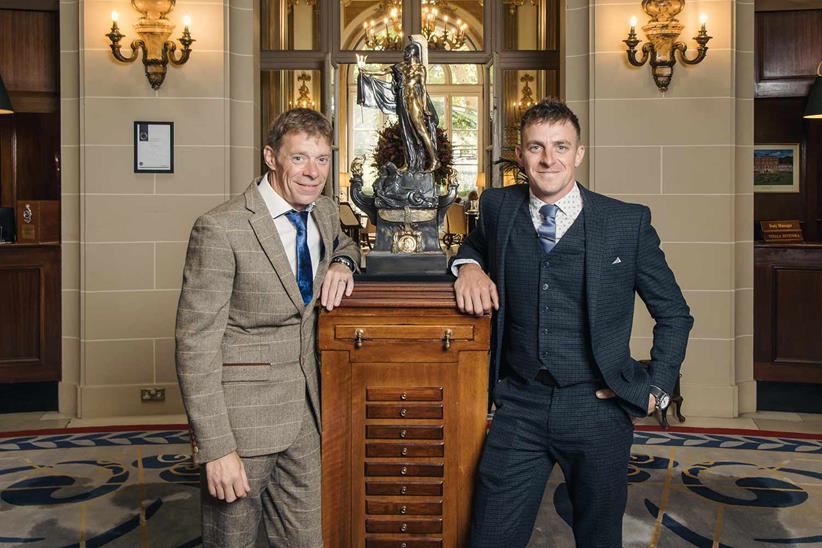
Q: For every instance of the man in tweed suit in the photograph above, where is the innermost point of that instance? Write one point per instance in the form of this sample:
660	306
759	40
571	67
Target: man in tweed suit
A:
246	326
564	265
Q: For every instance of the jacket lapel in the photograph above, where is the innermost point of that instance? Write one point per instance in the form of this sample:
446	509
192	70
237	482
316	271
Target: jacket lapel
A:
324	220
266	232
595	236
508	211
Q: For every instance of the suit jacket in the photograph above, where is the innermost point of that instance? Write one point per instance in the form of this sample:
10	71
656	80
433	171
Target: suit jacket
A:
613	230
246	353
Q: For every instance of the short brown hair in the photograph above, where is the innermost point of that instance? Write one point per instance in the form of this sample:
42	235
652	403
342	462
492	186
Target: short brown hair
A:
298	120
550	110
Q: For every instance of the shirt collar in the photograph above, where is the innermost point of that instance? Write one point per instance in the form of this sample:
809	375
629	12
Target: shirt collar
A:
275	203
567	204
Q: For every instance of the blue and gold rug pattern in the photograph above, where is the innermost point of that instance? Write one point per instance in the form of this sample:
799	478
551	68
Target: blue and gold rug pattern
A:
687	488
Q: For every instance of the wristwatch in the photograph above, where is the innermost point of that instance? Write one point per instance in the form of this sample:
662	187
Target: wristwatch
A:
663	400
347	261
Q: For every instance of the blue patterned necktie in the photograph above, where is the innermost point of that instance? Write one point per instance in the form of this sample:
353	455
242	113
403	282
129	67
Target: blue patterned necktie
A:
305	273
547	231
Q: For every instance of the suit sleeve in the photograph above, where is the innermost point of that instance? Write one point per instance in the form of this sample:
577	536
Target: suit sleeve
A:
344	246
202	316
475	246
658	289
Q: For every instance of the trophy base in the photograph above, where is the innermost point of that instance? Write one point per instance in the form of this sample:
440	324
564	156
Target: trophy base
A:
384	263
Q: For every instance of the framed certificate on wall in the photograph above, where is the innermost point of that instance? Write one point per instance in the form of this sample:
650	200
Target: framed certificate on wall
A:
153	147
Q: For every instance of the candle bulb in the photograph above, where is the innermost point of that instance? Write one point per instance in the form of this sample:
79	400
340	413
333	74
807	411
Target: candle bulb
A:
115	17
187	21
633	24
703	19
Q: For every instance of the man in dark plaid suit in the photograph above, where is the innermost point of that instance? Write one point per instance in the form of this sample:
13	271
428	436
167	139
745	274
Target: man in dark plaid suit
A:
560	265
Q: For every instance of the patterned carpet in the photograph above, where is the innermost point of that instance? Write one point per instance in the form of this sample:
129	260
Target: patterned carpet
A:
137	488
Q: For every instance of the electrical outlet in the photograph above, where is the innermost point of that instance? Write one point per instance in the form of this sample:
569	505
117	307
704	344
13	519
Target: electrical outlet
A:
152	394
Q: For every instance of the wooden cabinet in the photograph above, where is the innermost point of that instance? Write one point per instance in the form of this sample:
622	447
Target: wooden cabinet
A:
30	315
404	402
787	311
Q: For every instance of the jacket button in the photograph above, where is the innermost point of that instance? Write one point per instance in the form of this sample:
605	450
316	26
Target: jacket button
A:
545	287
544	331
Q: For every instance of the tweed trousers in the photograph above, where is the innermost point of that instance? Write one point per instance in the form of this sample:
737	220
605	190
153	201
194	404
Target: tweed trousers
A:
285	495
534	427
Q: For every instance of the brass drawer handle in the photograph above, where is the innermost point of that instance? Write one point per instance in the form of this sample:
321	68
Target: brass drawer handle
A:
446	339
404	471
403	509
404	396
403	412
358	338
403	490
404	451
403	528
403	433
404	545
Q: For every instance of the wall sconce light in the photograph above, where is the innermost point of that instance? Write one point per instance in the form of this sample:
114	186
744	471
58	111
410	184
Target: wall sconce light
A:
662	31
814	108
526	101
154	30
304	100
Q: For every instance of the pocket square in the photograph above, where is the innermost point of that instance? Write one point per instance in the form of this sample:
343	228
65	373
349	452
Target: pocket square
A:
617	261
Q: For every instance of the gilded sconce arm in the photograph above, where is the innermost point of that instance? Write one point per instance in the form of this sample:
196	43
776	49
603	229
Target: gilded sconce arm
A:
701	50
632	42
115	36
170	48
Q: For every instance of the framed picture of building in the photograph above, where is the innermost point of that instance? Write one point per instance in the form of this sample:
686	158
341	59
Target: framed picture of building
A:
776	168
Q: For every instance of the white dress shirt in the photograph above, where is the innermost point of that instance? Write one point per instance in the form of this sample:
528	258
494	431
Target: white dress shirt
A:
568	209
278	207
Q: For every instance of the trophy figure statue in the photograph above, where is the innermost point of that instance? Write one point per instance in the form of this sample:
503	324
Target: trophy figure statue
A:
406	207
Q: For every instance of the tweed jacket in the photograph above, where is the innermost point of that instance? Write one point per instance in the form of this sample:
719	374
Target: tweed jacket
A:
622	258
246	357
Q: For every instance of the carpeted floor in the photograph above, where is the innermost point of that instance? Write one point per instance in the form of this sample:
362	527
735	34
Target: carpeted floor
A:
136	487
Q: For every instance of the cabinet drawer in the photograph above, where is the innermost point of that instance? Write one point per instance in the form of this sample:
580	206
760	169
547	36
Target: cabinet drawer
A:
399	332
403	508
405	411
433	393
425	489
373	525
400	543
379	432
404	469
404	450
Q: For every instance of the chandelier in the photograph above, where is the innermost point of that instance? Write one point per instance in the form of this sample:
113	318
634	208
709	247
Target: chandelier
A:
440	31
387	33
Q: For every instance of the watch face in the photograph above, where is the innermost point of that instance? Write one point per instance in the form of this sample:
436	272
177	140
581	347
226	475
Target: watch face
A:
663	401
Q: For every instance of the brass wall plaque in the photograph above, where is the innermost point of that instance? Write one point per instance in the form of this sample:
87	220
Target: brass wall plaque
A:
781	231
28	233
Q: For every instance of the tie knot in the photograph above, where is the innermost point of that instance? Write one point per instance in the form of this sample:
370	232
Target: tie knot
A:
548	211
297	218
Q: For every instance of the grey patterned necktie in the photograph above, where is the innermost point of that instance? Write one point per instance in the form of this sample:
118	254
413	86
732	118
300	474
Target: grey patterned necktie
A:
547	231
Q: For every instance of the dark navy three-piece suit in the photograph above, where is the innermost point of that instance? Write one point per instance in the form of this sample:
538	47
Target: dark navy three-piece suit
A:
561	333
